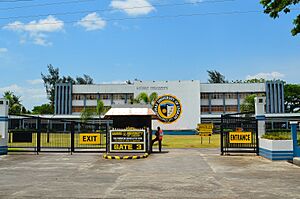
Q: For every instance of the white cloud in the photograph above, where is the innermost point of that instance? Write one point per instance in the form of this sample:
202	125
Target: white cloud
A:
133	7
37	30
35	81
267	76
194	1
30	96
3	50
92	22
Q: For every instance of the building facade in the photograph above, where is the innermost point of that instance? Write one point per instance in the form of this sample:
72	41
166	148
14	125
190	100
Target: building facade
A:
198	102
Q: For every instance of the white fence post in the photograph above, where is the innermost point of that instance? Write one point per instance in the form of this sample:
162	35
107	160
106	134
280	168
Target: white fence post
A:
3	126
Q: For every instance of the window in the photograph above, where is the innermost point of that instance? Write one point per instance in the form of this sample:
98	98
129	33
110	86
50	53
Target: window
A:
77	109
77	97
204	95
105	96
92	97
119	96
231	108
205	109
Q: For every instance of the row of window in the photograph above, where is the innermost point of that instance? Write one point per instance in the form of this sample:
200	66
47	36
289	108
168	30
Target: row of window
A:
120	96
219	109
227	95
78	109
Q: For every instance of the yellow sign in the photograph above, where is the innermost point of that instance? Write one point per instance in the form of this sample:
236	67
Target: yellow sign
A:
205	128
89	138
240	137
205	134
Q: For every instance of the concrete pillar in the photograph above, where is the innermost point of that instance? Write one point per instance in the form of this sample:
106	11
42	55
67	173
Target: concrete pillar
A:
296	148
3	126
260	112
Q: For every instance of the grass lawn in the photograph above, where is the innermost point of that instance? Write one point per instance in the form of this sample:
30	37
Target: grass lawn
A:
189	141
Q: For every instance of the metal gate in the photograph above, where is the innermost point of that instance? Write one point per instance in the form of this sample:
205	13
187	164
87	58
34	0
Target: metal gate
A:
239	125
38	134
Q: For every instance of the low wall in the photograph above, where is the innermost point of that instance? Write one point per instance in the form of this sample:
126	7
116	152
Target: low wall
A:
276	149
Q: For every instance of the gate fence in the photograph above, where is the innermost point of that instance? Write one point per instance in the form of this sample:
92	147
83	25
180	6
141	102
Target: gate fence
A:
39	134
239	122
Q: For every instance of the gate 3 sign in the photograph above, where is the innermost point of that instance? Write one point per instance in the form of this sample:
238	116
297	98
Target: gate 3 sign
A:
127	141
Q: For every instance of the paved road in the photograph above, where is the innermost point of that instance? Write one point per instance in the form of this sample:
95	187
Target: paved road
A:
192	173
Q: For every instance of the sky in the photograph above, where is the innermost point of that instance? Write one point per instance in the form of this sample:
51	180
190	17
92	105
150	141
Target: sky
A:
119	40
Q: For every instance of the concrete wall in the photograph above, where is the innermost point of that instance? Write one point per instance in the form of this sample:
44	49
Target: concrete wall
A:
276	149
187	92
223	88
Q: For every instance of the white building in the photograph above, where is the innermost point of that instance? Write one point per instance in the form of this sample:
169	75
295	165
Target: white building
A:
193	101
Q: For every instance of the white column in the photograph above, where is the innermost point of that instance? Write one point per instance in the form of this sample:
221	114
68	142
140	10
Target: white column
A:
3	126
260	112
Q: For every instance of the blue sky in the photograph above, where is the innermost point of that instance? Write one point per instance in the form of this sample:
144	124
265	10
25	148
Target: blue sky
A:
109	49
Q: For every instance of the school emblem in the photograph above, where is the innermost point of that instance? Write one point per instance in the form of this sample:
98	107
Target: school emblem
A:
167	108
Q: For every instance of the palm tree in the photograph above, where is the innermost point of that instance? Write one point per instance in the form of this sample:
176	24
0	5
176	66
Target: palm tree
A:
143	98
100	109
87	114
15	106
153	97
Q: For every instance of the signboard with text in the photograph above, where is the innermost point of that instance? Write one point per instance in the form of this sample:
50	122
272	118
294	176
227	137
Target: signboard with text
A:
127	141
240	137
88	138
205	128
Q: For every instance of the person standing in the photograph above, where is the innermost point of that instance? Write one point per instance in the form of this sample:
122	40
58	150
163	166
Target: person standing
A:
158	137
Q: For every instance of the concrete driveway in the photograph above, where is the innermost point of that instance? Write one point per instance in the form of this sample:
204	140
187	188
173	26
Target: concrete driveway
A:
180	173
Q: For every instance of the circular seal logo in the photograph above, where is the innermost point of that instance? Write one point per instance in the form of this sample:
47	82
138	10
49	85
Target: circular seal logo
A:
167	108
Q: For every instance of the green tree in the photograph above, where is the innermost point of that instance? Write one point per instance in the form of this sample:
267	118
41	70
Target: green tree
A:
86	79
249	104
292	97
274	7
43	109
53	78
87	114
143	98
255	80
153	97
100	109
49	82
15	106
215	77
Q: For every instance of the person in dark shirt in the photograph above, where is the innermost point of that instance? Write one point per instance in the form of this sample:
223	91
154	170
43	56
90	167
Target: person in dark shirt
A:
158	137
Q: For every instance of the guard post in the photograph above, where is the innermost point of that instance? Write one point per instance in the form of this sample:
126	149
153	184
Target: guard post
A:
131	130
4	106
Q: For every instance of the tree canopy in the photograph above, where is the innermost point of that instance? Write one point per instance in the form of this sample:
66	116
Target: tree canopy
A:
275	7
215	77
15	105
144	98
292	97
249	104
43	109
53	77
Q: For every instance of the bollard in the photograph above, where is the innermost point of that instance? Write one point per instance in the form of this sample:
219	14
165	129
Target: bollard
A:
296	148
3	126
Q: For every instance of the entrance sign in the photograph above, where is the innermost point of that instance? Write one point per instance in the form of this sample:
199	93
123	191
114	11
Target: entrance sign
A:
240	137
127	141
167	108
87	138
